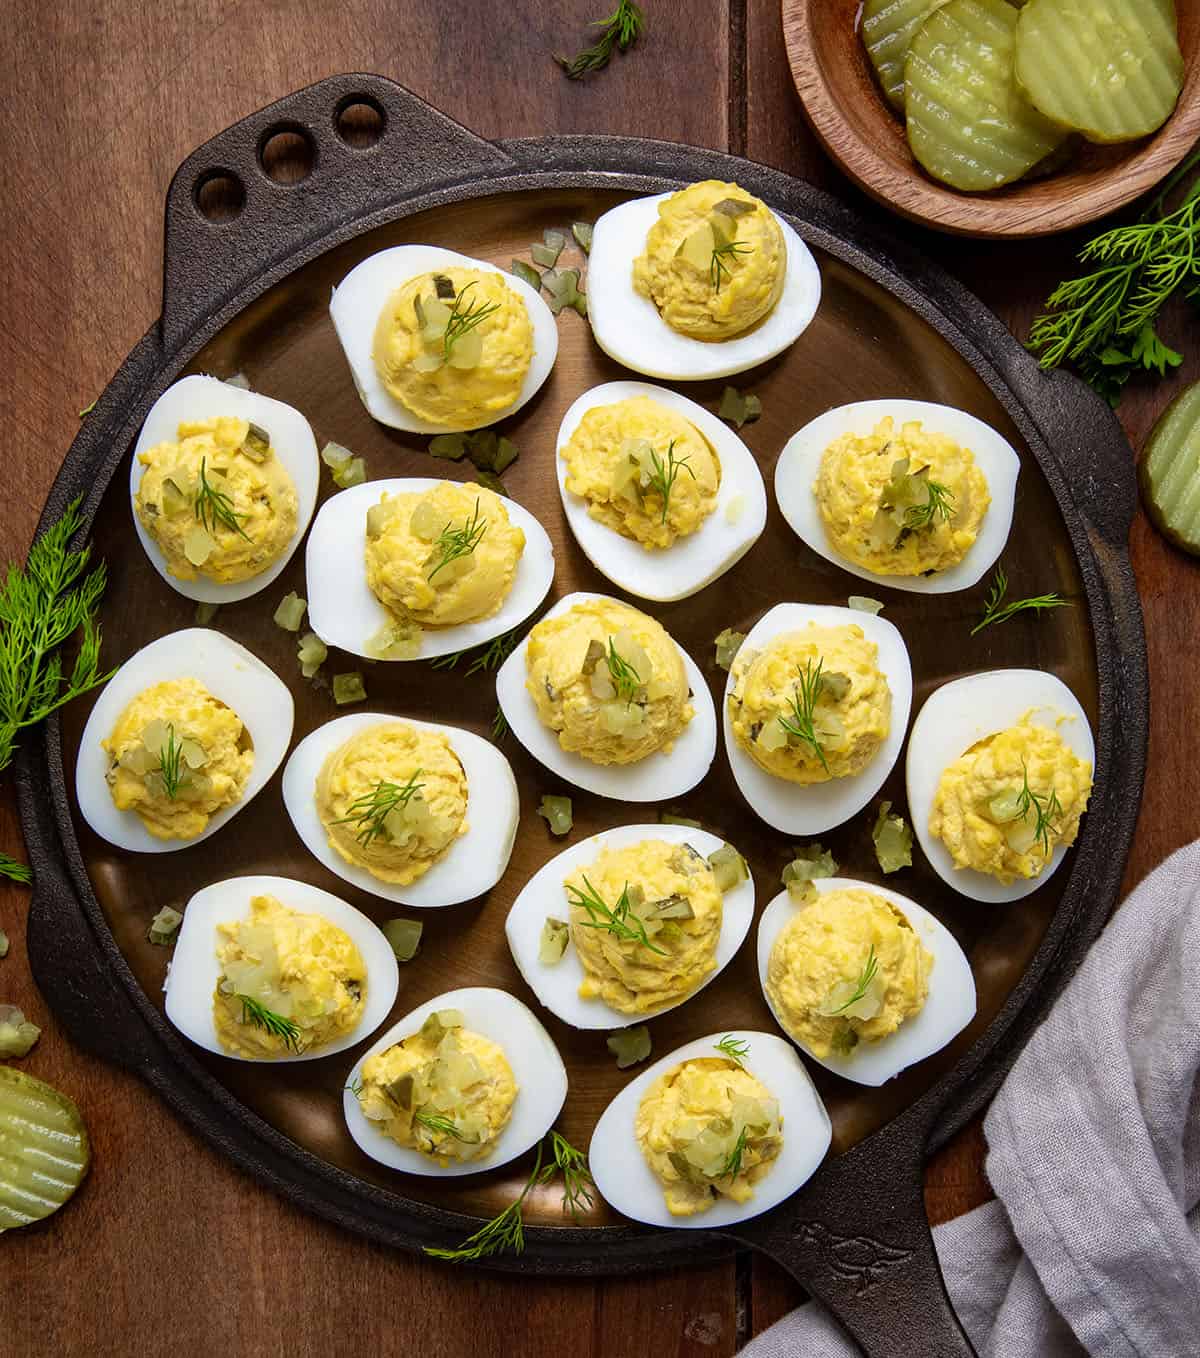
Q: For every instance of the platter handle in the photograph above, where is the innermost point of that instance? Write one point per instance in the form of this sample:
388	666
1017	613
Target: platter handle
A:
857	1238
233	218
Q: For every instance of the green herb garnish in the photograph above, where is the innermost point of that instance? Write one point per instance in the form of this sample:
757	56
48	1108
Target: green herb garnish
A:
1046	810
618	920
270	1022
170	763
354	1087
663	475
495	653
436	1122
722	251
937	506
15	870
733	1048
625	679
499	725
622	29
739	408
454	543
996	610
215	506
87	410
463	322
371	810
577	1175
863	983
803	705
733	1163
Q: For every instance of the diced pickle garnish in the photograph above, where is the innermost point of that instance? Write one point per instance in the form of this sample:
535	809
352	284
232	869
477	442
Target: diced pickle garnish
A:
582	231
404	937
440	1022
557	813
290	613
545	255
835	685
205	613
1005	806
395	640
670	907
552	945
174	501
349	688
401	1092
335	455
729	867
728	643
467	351
17	1034
257	445
733	207
810	862
198	544
443	287
893	840
347	470
668	818
739	408
697	247
562	288
39	1127
426	522
527	274
452	446
630	1045
164	926
311	652
861	603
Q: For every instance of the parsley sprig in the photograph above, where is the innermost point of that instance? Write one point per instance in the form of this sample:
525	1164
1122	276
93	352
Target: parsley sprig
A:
622	29
618	920
803	703
996	610
370	811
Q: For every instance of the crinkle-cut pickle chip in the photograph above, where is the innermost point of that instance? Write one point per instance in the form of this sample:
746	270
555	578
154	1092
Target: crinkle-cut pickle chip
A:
968	123
888	28
1170	471
44	1151
1110	68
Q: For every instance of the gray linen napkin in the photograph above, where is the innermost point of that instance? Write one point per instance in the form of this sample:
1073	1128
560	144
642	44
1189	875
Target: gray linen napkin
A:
1094	1153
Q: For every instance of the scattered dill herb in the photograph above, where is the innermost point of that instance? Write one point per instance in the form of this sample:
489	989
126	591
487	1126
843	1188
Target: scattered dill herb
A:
370	811
733	1048
453	543
625	678
14	870
463	322
863	982
622	29
618	920
996	610
803	705
664	474
215	506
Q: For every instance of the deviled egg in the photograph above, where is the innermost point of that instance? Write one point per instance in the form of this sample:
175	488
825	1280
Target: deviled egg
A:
700	283
465	1083
905	493
601	694
999	774
630	923
271	969
721	1130
412	811
662	496
223	484
816	706
439	342
866	981
415	568
187	731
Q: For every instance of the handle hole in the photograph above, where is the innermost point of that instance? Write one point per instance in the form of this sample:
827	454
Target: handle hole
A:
287	155
219	195
359	121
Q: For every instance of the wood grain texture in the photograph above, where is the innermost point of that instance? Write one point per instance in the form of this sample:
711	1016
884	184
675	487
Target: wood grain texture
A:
859	130
167	1249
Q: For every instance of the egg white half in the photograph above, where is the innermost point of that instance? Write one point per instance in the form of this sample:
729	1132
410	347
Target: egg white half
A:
557	987
205	398
536	1066
800	463
949	1007
344	612
233	676
656	778
810	810
629	328
626	1181
954	718
360	297
472	865
194	969
689	564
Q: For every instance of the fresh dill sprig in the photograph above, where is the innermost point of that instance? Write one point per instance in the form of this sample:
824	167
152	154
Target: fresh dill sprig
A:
618	920
354	1087
463	322
733	1162
625	679
622	29
170	763
370	811
803	705
1103	322
495	653
1046	810
499	725
578	1184
447	662
454	543
215	506
718	269
937	506
734	1048
436	1122
663	476
270	1022
996	610
863	983
87	410
15	870
42	604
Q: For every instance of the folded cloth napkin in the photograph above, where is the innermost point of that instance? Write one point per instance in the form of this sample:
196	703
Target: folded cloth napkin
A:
1094	1152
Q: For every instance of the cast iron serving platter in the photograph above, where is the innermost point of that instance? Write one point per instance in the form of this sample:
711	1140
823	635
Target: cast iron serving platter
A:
250	292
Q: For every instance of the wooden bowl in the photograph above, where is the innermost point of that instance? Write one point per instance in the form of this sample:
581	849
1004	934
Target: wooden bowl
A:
859	129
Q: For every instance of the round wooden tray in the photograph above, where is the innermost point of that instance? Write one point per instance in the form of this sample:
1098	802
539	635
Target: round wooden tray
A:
862	133
251	293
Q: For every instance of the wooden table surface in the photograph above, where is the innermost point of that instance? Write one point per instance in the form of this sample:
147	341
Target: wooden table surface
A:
168	1249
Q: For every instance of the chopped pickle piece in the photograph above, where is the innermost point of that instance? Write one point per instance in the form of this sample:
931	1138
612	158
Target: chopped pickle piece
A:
395	641
311	652
347	469
670	907
198	545
44	1151
443	287
728	644
630	1045
482	448
466	351
349	688
257	446
850	999
729	867
506	455
17	1034
174	500
562	287
1170	471
205	613
893	840
582	231
404	937
1006	806
557	813
861	603
440	1022
290	613
556	933
527	274
491	481
667	818
811	861
739	408
164	926
452	446
545	255
425	522
334	455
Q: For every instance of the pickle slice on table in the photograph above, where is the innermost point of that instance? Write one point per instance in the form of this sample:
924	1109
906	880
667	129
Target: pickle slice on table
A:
968	123
44	1151
888	28
1170	471
1112	69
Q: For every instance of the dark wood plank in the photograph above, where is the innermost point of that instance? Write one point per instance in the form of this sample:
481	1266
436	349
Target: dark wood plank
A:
168	1249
